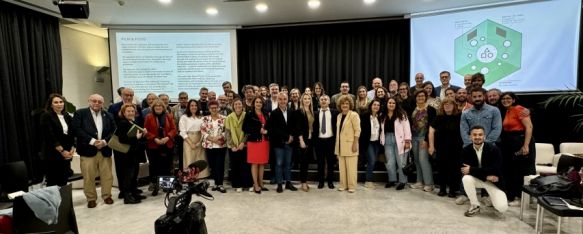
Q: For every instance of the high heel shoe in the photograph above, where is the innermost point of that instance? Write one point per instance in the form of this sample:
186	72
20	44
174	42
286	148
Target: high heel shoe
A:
258	191
305	187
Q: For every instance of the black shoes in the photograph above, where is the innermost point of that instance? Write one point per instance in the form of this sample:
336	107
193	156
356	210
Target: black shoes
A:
331	185
320	185
390	184
442	193
451	195
290	186
279	188
139	197
155	192
129	199
264	189
400	186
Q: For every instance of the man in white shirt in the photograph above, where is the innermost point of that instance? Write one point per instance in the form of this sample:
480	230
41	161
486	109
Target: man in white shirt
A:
325	127
376	83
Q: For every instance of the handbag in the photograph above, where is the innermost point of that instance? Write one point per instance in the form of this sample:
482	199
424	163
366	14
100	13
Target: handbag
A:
114	144
410	168
556	185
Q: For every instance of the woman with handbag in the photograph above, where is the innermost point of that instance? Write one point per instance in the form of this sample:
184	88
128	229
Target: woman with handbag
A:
396	137
58	139
189	126
131	159
161	131
445	142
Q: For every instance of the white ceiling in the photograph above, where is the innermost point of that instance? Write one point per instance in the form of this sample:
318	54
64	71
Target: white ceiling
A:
104	13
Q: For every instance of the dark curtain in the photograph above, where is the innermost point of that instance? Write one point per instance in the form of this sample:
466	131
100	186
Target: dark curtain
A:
298	56
30	69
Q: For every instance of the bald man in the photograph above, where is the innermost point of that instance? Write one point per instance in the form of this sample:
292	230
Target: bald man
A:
93	128
377	82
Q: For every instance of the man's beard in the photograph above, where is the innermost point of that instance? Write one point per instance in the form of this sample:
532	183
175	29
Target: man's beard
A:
478	105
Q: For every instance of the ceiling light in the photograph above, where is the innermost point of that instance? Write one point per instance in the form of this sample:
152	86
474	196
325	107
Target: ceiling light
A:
212	11
165	1
261	7
368	2
314	4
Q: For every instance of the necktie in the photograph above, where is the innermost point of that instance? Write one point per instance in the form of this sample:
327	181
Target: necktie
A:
323	127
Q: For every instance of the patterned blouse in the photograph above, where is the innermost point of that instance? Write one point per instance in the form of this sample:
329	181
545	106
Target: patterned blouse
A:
420	121
214	128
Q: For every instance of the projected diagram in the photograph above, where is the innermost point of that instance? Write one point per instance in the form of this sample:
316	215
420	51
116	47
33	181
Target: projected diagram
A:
490	48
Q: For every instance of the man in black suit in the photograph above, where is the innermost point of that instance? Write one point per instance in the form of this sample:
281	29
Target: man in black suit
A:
325	126
482	168
93	128
280	125
272	103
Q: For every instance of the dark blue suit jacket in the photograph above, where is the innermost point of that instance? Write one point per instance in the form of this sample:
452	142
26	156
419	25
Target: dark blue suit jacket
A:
85	129
491	162
438	89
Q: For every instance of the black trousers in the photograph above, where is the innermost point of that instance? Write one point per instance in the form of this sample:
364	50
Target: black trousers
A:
240	169
160	162
216	158
127	166
305	157
515	167
326	158
57	172
178	152
449	169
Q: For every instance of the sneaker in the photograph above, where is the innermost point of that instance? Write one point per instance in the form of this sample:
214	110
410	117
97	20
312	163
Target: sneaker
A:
417	185
428	188
473	210
461	200
239	190
251	189
487	202
515	203
369	185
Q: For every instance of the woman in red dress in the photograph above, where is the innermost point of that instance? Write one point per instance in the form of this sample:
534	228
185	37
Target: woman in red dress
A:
257	143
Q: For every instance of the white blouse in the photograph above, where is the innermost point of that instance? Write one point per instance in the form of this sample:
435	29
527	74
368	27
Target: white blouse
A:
189	124
63	124
374	128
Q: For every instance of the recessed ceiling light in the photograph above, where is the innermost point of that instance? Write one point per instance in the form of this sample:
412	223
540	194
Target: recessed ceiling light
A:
261	7
212	11
368	2
165	1
314	4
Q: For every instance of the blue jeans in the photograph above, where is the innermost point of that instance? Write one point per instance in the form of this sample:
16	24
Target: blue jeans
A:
372	152
394	160
283	159
424	172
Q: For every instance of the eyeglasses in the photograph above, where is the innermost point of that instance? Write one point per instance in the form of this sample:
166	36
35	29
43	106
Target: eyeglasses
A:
402	88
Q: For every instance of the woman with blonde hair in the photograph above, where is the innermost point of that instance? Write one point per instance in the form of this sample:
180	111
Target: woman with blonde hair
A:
304	134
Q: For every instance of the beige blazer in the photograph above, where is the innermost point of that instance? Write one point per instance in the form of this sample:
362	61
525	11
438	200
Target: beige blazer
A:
345	138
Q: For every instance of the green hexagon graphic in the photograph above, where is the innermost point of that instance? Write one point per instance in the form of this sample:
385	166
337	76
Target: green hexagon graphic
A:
490	48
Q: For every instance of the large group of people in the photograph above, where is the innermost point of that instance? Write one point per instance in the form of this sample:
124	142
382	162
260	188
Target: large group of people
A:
474	138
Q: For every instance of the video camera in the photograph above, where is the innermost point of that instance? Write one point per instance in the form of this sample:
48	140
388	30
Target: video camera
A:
181	215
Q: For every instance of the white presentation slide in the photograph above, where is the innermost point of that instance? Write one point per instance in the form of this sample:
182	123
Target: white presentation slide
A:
171	62
525	47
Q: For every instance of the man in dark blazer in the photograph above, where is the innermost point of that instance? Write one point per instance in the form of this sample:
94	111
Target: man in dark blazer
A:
93	128
271	103
445	78
281	125
482	168
325	127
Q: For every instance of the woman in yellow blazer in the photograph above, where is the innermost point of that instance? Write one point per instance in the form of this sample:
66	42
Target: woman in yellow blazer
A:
347	134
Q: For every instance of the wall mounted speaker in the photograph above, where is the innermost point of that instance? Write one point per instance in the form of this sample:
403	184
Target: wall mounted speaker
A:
74	9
